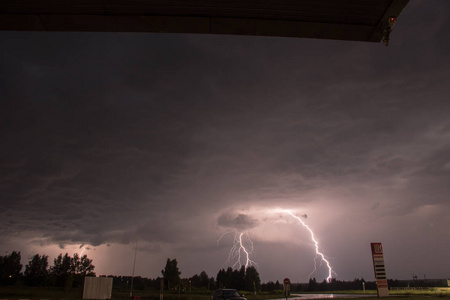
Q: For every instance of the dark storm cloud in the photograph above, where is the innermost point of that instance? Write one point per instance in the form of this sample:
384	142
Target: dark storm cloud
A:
72	153
111	137
238	222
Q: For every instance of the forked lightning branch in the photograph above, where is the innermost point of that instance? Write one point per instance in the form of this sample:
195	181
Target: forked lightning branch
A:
242	247
241	250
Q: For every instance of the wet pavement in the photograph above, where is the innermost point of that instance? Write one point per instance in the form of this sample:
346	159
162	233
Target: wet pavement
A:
324	296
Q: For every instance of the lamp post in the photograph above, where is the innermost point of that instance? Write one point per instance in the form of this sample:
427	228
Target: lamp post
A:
134	266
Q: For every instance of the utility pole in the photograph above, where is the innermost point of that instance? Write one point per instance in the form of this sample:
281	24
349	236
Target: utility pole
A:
134	266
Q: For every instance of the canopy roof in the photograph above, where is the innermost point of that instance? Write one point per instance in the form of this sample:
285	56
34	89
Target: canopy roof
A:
358	20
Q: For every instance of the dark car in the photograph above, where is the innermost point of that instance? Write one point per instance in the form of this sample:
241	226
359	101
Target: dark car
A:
227	294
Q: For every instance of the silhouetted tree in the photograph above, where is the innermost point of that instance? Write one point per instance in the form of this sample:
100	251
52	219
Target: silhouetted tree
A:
240	279
228	282
211	284
201	281
204	280
139	283
278	286
81	267
70	271
171	273
323	286
195	281
236	280
268	287
62	267
220	278
312	285
252	280
10	268
36	271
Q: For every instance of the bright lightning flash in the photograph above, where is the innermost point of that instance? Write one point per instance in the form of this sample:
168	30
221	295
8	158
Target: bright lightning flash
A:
239	252
242	247
316	244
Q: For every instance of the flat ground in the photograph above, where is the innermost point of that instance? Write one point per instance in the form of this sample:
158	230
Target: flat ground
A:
76	294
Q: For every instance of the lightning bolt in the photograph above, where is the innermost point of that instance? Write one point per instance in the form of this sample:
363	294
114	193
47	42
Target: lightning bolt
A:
316	244
315	267
242	247
82	251
241	250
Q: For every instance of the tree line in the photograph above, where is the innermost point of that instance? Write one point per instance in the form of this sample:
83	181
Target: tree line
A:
243	279
67	271
338	285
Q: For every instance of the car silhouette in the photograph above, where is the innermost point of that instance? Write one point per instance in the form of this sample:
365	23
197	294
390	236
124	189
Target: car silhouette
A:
227	294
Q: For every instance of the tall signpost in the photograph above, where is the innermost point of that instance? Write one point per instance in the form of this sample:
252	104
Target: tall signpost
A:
379	269
286	287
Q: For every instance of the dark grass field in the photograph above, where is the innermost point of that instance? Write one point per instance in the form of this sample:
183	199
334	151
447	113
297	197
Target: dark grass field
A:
76	294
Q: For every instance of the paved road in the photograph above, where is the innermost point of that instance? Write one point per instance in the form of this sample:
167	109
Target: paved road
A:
324	296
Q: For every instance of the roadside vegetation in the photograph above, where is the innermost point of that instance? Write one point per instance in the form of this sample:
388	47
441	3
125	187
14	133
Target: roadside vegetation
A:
64	280
16	292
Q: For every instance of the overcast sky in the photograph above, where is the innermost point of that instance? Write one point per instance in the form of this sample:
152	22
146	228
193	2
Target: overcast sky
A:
172	140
